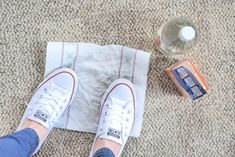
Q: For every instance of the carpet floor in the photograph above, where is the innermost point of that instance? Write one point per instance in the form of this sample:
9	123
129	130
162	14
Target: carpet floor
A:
173	126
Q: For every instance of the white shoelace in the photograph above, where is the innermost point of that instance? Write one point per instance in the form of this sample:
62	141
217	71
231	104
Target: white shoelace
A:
51	103
117	113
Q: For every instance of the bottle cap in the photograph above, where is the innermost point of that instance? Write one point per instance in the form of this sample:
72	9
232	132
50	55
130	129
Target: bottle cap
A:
187	33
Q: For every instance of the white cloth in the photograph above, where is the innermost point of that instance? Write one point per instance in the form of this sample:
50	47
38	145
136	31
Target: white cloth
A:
97	67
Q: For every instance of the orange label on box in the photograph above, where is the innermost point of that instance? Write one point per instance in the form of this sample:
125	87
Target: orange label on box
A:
187	79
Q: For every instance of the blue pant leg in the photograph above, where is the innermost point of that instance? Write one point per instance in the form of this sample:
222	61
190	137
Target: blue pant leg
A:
104	152
19	144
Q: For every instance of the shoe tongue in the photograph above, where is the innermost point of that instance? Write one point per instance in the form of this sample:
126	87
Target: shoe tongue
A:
114	131
42	115
113	135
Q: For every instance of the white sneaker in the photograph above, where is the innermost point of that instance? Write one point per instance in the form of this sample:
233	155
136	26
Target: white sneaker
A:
51	99
117	113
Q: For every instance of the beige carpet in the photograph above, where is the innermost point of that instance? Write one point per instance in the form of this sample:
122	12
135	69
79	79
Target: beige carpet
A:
173	126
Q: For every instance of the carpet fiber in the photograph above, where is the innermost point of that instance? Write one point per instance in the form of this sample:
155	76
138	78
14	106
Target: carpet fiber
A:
173	126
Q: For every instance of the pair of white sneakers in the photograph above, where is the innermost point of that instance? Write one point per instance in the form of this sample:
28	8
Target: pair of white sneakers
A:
56	93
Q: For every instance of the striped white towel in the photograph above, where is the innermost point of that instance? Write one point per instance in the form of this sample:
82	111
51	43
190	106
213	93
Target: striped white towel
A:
97	67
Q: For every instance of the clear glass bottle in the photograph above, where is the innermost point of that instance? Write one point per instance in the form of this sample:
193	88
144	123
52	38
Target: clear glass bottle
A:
176	36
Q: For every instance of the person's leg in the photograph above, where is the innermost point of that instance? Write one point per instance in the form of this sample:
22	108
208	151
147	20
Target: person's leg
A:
19	144
46	106
116	119
24	142
101	143
104	152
